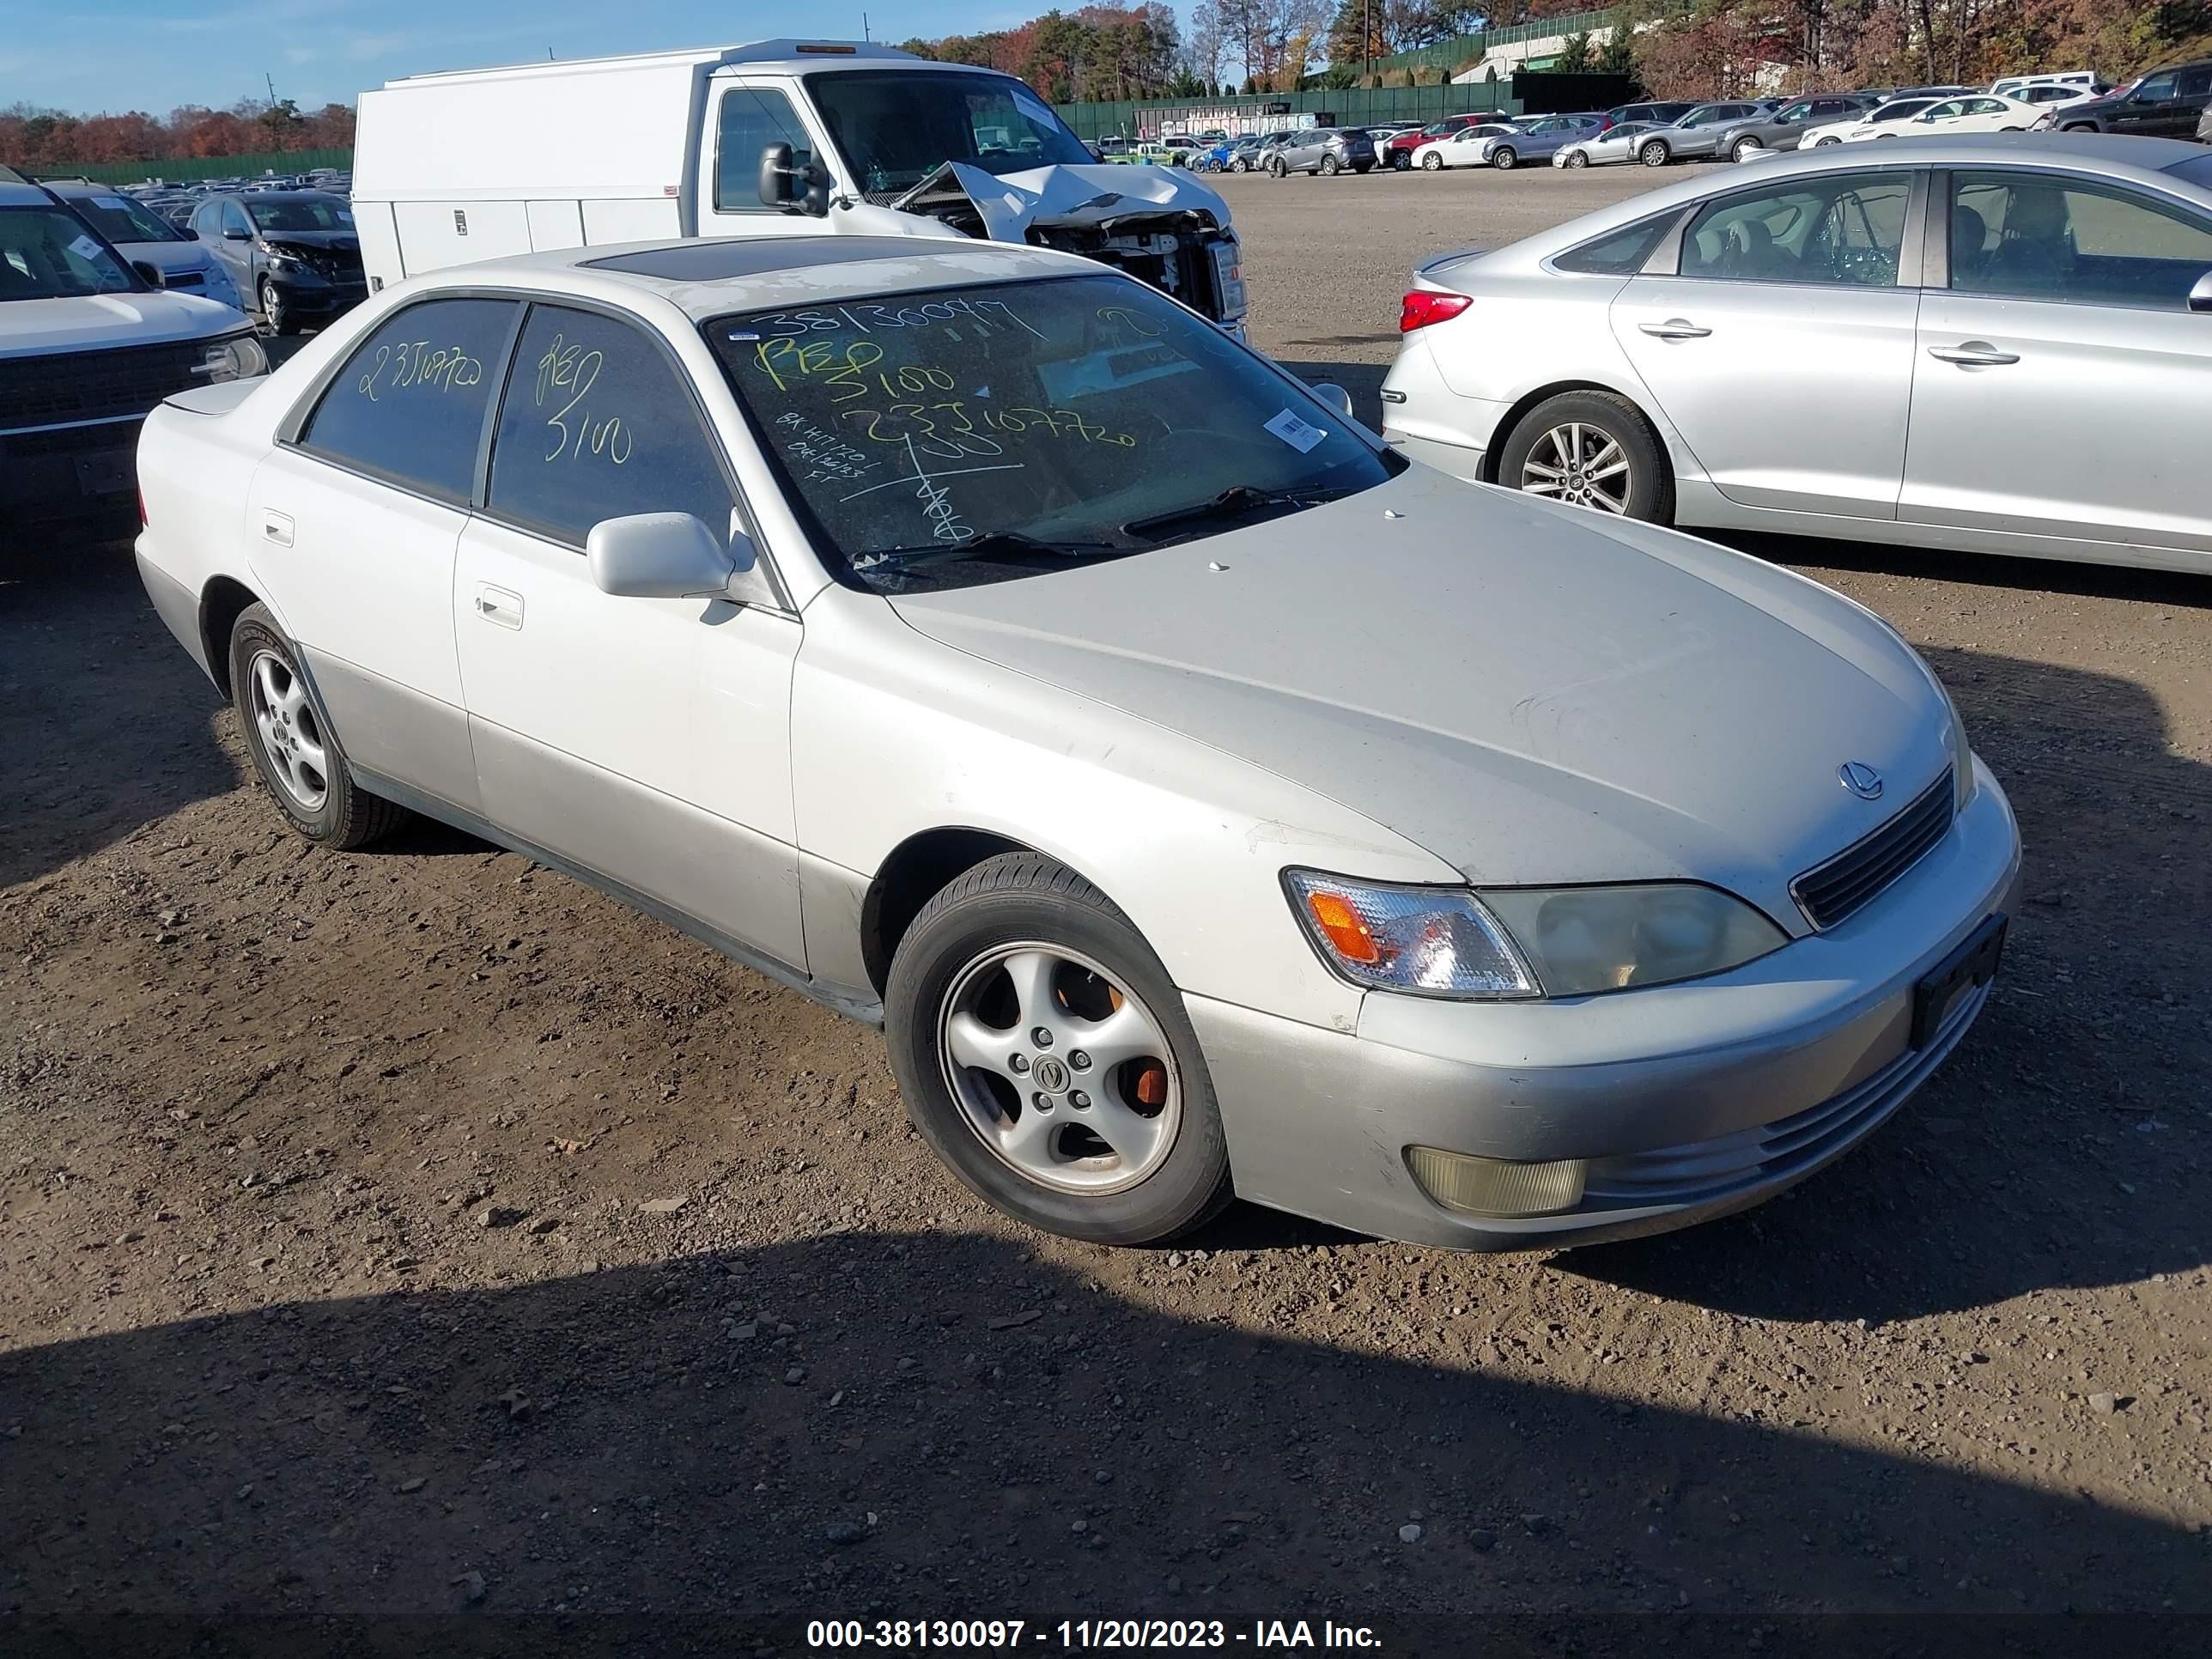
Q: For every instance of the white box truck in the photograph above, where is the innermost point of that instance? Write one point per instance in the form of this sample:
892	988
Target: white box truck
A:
779	137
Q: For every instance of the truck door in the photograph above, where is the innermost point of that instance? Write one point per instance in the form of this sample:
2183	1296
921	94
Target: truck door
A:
744	114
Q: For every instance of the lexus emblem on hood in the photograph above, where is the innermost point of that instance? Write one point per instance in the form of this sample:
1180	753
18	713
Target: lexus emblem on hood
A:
1861	780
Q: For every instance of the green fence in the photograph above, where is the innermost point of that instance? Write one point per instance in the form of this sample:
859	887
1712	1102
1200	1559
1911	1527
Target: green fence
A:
1266	111
176	171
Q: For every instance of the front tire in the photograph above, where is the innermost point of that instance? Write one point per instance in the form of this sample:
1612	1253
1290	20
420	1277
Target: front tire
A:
274	316
1020	949
1593	450
1576	159
1655	154
1503	158
298	758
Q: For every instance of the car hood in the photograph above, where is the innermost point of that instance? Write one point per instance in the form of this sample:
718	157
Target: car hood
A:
34	327
1533	694
168	258
1011	204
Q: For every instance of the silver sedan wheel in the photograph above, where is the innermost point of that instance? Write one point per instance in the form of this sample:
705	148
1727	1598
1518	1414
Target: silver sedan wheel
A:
1059	1068
1581	465
291	737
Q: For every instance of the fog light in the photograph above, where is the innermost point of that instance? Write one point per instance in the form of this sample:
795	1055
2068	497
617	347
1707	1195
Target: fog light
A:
1494	1187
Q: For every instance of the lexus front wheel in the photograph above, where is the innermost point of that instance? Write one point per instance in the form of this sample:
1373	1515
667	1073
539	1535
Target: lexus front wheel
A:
1045	1055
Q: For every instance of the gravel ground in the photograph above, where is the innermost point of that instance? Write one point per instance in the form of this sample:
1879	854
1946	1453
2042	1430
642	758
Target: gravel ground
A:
414	1250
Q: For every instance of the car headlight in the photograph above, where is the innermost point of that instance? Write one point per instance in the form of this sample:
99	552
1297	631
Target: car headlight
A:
1526	942
1583	939
1962	752
237	357
1428	941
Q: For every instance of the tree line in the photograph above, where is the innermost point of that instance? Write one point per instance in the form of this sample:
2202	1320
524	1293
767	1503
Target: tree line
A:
46	139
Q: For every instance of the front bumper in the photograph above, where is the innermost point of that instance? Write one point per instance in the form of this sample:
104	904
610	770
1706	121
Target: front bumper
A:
82	473
319	296
1689	1101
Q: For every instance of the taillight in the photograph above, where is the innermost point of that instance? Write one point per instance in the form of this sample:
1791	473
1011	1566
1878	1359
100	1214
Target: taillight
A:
1424	306
142	509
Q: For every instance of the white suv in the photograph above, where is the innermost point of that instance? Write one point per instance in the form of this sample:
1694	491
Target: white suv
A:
88	345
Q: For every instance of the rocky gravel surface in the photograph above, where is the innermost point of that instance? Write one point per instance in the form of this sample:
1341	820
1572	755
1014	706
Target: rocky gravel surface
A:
414	1251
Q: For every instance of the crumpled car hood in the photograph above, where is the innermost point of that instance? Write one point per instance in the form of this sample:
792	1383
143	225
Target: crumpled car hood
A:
1010	203
1534	694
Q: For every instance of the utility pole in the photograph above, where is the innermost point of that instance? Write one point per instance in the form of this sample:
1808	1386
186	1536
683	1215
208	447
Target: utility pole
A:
865	35
271	81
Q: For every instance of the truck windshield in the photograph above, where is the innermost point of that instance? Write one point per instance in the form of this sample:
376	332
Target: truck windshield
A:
894	128
46	253
963	436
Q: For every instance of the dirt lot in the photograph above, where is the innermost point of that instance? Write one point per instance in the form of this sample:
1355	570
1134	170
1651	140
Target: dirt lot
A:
414	1250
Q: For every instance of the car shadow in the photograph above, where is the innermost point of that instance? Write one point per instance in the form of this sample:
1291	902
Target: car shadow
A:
697	1455
2006	1175
105	726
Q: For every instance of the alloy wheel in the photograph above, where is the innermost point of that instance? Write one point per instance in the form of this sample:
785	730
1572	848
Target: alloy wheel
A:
272	304
1653	155
1432	161
1059	1068
1581	465
291	737
1576	159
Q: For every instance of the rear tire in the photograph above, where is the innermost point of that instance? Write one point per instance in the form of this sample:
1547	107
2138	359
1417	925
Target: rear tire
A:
1504	158
298	758
1535	459
957	1019
1330	166
1655	154
1745	150
1578	159
1433	162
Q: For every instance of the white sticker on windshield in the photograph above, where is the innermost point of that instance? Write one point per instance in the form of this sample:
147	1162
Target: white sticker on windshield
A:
115	202
1300	435
85	248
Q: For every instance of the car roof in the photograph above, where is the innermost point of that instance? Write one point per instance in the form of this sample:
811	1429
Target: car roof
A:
23	195
713	276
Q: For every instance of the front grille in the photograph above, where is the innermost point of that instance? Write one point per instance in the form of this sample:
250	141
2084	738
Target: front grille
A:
95	385
1707	1170
1830	892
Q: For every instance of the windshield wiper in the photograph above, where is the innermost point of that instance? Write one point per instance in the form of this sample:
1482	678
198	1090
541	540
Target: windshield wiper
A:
997	543
1234	502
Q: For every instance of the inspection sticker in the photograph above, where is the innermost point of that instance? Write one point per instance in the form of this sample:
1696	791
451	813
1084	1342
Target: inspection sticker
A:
1300	435
85	248
115	202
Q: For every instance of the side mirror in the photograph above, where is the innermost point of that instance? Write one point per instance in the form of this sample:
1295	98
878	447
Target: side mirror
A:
233	233
148	273
2200	296
662	555
1334	396
804	185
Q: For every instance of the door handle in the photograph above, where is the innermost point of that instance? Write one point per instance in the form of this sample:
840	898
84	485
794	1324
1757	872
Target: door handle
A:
501	606
1675	328
1974	354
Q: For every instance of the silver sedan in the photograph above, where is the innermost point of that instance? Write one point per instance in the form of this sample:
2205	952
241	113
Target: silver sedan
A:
1998	344
1616	145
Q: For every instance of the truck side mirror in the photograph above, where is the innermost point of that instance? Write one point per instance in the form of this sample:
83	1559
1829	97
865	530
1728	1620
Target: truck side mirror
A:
804	185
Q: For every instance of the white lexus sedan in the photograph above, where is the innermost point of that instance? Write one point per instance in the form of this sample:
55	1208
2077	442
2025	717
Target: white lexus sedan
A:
1936	310
1982	113
1468	147
1204	800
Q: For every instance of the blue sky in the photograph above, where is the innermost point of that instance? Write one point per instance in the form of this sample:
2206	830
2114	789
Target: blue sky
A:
113	55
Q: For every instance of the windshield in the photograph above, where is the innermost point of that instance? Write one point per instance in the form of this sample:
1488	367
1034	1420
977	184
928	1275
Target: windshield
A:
894	128
120	219
2197	170
46	253
299	213
978	434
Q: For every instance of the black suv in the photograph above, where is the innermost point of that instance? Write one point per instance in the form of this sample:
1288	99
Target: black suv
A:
2167	103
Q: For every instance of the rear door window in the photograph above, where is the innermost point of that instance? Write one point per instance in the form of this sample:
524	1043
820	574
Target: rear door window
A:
409	405
599	423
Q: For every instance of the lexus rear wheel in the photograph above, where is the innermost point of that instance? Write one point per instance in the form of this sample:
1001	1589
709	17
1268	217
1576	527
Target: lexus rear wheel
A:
1045	1055
1590	449
1330	167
